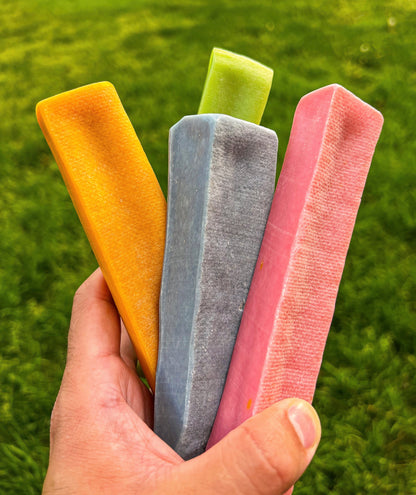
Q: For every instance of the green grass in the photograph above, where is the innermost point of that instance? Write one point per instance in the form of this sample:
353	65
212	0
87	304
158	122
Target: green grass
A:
156	54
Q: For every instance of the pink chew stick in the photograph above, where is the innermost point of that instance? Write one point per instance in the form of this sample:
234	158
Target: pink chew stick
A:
290	305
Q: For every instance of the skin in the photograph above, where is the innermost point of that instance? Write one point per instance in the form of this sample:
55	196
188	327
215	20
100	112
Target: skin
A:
101	427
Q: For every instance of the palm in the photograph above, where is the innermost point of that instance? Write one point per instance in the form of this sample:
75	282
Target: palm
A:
127	446
105	410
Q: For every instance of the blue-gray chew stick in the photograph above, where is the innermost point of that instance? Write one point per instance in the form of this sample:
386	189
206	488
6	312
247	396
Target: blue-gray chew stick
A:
221	183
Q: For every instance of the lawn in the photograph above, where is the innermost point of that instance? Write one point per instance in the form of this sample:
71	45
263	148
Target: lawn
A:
156	54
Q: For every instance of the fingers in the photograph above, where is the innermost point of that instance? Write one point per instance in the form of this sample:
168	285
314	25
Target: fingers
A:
99	349
127	351
95	324
266	454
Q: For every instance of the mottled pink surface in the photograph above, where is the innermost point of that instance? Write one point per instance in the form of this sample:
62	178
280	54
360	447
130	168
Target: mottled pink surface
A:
291	301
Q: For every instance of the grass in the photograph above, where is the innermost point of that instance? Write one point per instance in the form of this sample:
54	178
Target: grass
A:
156	54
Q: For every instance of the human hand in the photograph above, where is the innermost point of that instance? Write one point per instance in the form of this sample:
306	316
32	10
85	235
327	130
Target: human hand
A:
101	436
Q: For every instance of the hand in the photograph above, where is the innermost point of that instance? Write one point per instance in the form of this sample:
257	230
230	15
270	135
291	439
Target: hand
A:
101	436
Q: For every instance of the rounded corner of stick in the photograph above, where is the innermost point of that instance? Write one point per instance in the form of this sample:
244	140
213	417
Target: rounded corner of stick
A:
39	111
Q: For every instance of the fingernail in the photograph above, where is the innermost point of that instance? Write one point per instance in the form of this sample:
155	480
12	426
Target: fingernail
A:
301	415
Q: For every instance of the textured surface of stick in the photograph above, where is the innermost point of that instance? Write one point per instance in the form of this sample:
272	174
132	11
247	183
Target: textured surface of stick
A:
221	183
118	200
290	305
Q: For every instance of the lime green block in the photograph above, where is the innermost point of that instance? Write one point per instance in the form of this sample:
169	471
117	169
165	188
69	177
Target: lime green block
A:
236	85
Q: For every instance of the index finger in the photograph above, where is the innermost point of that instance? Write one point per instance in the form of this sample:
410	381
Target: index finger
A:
94	330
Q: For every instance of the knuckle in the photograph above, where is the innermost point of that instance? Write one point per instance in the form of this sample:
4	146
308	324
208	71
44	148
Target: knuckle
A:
80	294
68	417
55	421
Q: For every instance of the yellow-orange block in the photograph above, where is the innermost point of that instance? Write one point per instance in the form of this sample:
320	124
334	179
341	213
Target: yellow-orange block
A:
118	200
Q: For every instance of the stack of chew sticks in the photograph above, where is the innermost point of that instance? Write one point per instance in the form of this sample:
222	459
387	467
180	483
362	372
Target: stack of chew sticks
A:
247	281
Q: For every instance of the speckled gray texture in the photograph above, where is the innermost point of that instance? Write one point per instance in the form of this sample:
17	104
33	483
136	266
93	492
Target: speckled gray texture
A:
221	184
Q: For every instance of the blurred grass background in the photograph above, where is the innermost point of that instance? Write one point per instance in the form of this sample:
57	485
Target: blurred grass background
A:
156	54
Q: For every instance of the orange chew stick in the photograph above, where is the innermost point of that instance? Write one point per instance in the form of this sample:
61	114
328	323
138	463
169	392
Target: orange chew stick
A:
118	200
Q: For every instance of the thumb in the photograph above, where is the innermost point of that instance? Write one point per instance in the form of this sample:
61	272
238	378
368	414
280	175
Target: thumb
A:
266	454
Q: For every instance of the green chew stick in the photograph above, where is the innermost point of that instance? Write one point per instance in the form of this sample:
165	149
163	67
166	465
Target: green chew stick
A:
236	85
